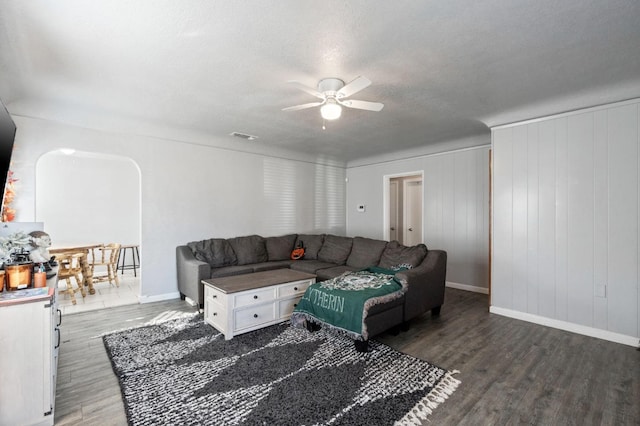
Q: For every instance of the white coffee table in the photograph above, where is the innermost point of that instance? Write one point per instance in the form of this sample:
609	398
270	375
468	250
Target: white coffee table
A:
242	303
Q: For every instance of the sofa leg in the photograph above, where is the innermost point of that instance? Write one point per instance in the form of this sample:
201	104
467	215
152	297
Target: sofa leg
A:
361	345
182	296
404	326
436	311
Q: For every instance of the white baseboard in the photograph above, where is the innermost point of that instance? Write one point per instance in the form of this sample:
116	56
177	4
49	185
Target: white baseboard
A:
567	326
158	297
467	287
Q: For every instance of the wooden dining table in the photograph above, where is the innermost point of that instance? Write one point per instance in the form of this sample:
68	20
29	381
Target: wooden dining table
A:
85	265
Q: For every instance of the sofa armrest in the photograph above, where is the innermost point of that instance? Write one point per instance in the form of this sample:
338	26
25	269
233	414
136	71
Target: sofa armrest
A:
425	284
191	272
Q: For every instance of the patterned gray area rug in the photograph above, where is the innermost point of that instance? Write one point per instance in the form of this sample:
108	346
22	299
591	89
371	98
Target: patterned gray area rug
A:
184	372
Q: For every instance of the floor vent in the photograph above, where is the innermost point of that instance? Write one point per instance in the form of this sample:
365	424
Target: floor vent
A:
244	136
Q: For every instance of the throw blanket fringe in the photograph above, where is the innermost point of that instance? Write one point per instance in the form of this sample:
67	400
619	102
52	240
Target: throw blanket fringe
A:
426	405
298	320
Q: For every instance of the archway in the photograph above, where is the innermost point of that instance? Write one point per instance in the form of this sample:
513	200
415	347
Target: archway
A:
88	198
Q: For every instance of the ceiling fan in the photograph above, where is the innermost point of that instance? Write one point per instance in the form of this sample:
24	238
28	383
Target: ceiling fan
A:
332	92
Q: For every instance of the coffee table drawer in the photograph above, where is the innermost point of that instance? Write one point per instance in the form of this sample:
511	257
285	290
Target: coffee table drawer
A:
216	315
287	306
295	288
253	297
254	315
215	296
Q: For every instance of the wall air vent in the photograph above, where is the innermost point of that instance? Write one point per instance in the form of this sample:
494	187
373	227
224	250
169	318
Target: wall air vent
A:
243	136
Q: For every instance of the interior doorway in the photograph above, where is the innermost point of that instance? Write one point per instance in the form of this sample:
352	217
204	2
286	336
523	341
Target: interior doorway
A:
85	199
404	207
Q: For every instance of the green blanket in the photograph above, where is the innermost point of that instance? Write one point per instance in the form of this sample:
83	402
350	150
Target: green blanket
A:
342	302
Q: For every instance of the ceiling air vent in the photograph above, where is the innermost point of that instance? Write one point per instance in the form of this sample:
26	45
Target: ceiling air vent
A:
244	136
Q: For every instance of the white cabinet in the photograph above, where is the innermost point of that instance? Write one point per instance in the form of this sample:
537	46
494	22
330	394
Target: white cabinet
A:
236	312
29	341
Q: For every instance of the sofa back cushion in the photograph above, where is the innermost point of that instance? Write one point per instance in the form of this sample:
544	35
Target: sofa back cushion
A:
312	245
365	252
216	252
335	249
249	249
279	248
396	254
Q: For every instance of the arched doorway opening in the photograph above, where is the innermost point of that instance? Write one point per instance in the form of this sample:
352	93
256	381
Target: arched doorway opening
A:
88	198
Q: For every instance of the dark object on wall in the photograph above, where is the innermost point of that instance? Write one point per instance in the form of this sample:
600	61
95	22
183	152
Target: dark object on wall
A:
7	137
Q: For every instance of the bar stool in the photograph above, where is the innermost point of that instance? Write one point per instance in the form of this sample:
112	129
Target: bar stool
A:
135	258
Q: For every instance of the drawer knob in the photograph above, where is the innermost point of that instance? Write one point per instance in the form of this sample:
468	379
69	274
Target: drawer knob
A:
215	296
215	313
295	289
255	315
255	297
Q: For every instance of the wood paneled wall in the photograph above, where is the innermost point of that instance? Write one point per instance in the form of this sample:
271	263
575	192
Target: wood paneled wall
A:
456	208
566	220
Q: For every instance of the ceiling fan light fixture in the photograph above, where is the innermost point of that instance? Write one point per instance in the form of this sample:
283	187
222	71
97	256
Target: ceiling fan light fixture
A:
331	110
332	93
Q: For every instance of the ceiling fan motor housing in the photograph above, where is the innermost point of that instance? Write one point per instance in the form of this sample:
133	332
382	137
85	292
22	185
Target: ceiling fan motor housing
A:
330	86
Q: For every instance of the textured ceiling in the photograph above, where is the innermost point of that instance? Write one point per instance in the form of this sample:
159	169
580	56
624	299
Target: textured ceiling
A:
199	70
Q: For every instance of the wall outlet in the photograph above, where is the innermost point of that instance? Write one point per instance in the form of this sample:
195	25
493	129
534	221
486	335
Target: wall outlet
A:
600	290
361	208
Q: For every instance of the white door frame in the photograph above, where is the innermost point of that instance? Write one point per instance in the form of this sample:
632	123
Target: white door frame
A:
393	184
386	179
405	201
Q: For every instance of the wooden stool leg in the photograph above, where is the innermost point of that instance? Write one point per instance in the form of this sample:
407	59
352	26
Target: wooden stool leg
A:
80	283
70	291
113	275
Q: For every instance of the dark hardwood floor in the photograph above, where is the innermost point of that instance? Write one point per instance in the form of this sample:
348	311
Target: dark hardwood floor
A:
512	372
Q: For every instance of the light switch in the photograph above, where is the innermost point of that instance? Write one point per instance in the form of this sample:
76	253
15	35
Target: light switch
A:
361	208
600	290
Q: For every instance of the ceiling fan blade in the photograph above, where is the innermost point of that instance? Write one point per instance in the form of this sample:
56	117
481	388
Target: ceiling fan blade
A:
369	106
355	86
303	106
304	88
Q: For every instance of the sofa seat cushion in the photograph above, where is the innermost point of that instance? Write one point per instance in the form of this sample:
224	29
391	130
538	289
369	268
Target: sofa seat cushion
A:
280	248
269	266
311	244
216	252
396	254
328	273
335	249
365	252
310	266
249	249
227	271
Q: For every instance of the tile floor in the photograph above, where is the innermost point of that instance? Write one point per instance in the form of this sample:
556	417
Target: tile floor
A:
106	296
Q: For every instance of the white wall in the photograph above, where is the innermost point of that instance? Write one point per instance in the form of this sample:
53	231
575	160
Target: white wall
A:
191	192
456	208
566	221
86	198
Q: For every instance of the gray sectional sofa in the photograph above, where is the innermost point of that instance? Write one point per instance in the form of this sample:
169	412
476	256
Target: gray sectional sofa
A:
326	256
